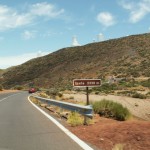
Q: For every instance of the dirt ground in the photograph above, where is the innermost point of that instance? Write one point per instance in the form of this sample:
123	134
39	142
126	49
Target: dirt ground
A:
107	134
138	107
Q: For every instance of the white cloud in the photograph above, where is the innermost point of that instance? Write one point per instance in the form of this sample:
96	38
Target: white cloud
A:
106	19
137	10
11	18
29	34
45	9
10	61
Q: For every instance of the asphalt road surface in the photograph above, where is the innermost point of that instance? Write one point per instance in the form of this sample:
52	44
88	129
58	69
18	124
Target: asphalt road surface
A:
23	127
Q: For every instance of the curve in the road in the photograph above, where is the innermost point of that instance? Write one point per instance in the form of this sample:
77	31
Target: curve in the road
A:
66	131
22	127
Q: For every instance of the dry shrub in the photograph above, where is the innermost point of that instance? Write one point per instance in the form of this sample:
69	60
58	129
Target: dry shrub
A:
1	88
74	119
35	101
118	147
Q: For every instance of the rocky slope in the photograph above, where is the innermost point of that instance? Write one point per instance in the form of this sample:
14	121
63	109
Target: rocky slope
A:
128	56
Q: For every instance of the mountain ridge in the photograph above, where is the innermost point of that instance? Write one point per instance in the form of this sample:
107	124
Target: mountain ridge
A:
126	56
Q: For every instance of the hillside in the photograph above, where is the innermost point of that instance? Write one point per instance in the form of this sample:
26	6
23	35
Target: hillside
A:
1	72
128	56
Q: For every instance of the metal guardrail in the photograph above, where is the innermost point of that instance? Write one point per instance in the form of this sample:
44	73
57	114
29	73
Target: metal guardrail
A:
84	110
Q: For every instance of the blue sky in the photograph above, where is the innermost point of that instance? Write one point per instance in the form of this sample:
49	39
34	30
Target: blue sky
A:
34	27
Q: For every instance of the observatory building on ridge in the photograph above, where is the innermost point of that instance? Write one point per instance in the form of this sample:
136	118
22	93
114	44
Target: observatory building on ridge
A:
74	41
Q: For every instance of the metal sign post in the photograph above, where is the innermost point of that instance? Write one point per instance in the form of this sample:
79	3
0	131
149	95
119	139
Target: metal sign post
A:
87	103
87	96
86	83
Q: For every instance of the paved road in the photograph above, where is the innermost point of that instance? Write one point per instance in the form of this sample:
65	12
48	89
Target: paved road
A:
23	127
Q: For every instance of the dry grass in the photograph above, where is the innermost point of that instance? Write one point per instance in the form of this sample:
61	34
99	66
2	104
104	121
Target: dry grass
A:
75	119
35	100
118	147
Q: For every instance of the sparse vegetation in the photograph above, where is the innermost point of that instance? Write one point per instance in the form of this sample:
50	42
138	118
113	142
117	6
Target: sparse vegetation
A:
146	83
129	57
18	88
35	101
60	94
52	93
43	94
75	119
148	94
139	95
105	88
71	97
1	87
126	93
111	109
118	147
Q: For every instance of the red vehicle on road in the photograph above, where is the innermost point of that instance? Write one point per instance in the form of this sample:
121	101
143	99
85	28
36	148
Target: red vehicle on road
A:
32	90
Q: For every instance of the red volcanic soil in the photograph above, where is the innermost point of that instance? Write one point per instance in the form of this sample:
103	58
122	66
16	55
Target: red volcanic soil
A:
105	134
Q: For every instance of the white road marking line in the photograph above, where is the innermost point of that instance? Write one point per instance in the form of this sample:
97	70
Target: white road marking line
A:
8	97
66	131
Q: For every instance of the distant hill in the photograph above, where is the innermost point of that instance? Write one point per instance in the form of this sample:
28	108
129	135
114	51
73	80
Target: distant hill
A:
1	72
123	57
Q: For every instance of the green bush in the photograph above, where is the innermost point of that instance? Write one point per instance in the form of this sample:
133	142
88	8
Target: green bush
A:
126	93
52	92
106	88
60	94
139	95
96	92
111	109
71	97
146	83
148	95
18	88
